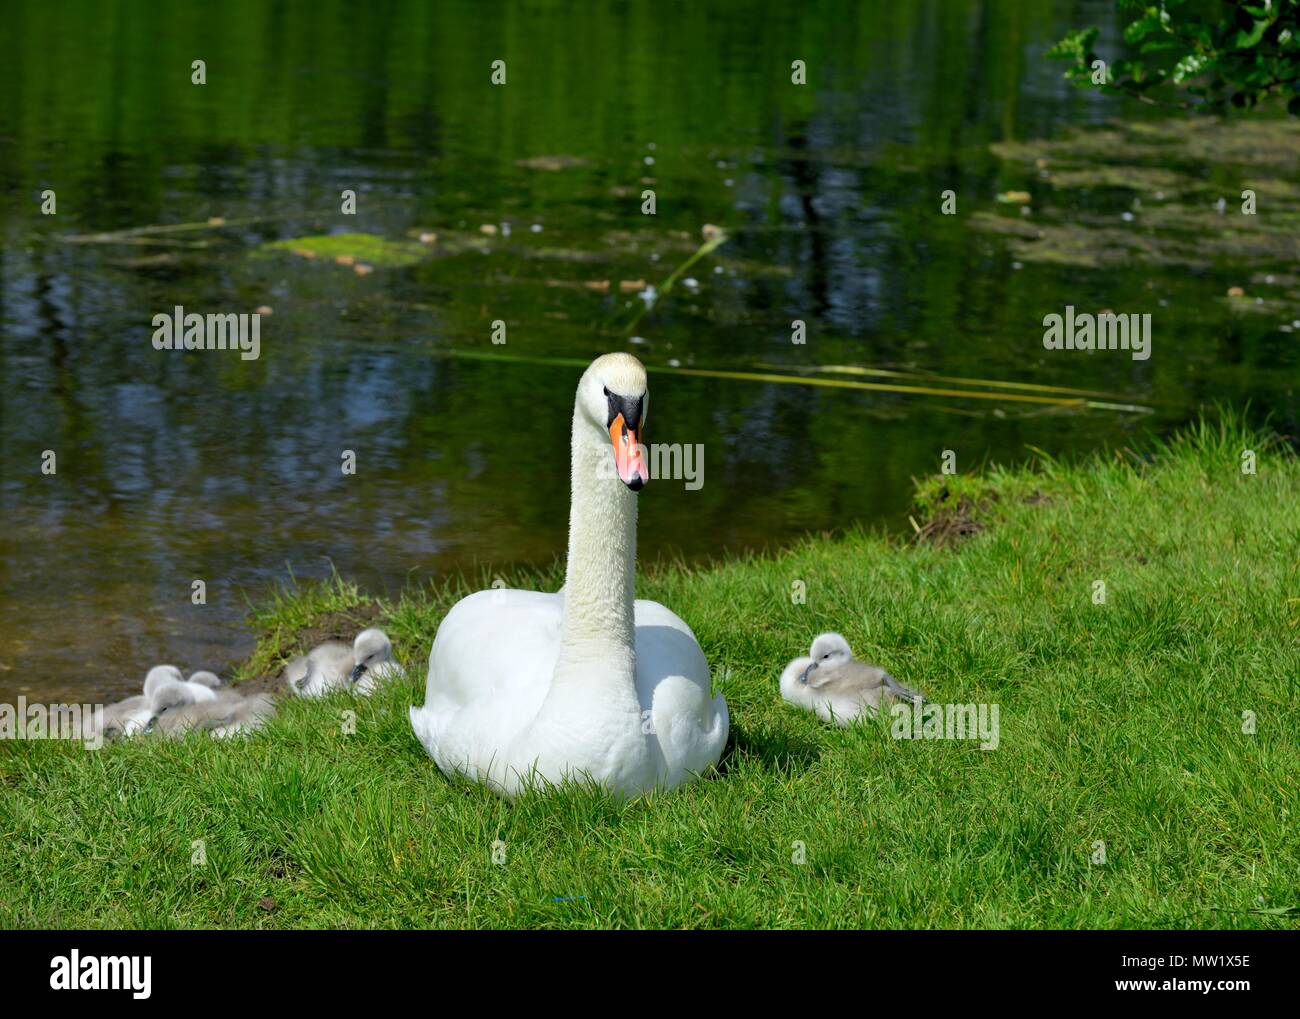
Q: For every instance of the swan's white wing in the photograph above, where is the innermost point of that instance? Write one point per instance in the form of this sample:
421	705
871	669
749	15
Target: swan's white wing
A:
489	671
672	678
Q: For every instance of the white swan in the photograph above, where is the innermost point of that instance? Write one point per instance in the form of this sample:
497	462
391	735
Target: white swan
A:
170	701
587	683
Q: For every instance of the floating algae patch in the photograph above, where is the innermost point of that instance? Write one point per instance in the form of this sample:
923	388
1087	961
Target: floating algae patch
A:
351	249
440	241
1146	179
1073	243
1192	144
1179	238
1176	188
551	163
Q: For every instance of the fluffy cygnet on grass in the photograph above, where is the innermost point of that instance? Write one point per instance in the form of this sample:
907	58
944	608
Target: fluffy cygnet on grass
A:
335	666
320	670
132	716
373	654
199	684
836	686
177	710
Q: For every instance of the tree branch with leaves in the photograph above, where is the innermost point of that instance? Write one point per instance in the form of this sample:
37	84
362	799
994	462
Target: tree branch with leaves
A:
1216	53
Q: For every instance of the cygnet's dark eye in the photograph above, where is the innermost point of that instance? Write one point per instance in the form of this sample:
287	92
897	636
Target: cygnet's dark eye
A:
826	655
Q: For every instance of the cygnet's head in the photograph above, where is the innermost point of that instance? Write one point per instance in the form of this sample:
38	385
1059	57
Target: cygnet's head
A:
614	399
204	678
160	674
371	648
828	651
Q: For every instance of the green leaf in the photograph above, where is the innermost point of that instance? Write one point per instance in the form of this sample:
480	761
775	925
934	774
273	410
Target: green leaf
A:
1076	45
1153	21
1162	43
1245	40
1190	66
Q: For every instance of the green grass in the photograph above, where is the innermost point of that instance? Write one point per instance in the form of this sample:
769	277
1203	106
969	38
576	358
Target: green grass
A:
1120	723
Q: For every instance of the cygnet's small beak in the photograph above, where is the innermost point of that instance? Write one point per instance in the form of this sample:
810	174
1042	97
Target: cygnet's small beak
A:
803	677
356	673
628	453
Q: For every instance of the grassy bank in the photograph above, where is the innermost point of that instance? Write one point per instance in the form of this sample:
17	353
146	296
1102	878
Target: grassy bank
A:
1120	723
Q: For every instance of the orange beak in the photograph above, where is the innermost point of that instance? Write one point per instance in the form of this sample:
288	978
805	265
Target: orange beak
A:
628	453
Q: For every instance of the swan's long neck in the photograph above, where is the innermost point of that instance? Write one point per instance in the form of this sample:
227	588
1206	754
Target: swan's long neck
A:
598	632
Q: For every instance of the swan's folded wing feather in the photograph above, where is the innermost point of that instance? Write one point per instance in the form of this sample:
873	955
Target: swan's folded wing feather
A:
489	671
673	682
494	642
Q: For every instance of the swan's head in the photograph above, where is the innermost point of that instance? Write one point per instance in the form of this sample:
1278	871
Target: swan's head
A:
371	648
160	674
828	651
614	398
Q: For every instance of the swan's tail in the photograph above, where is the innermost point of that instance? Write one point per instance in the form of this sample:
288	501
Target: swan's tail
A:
422	723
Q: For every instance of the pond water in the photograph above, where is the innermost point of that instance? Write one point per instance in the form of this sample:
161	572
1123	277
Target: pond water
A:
176	466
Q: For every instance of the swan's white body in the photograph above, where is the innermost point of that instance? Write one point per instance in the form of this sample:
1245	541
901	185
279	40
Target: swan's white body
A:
490	673
587	684
837	707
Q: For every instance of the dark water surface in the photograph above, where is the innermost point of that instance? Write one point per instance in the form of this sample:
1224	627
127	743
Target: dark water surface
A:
176	466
